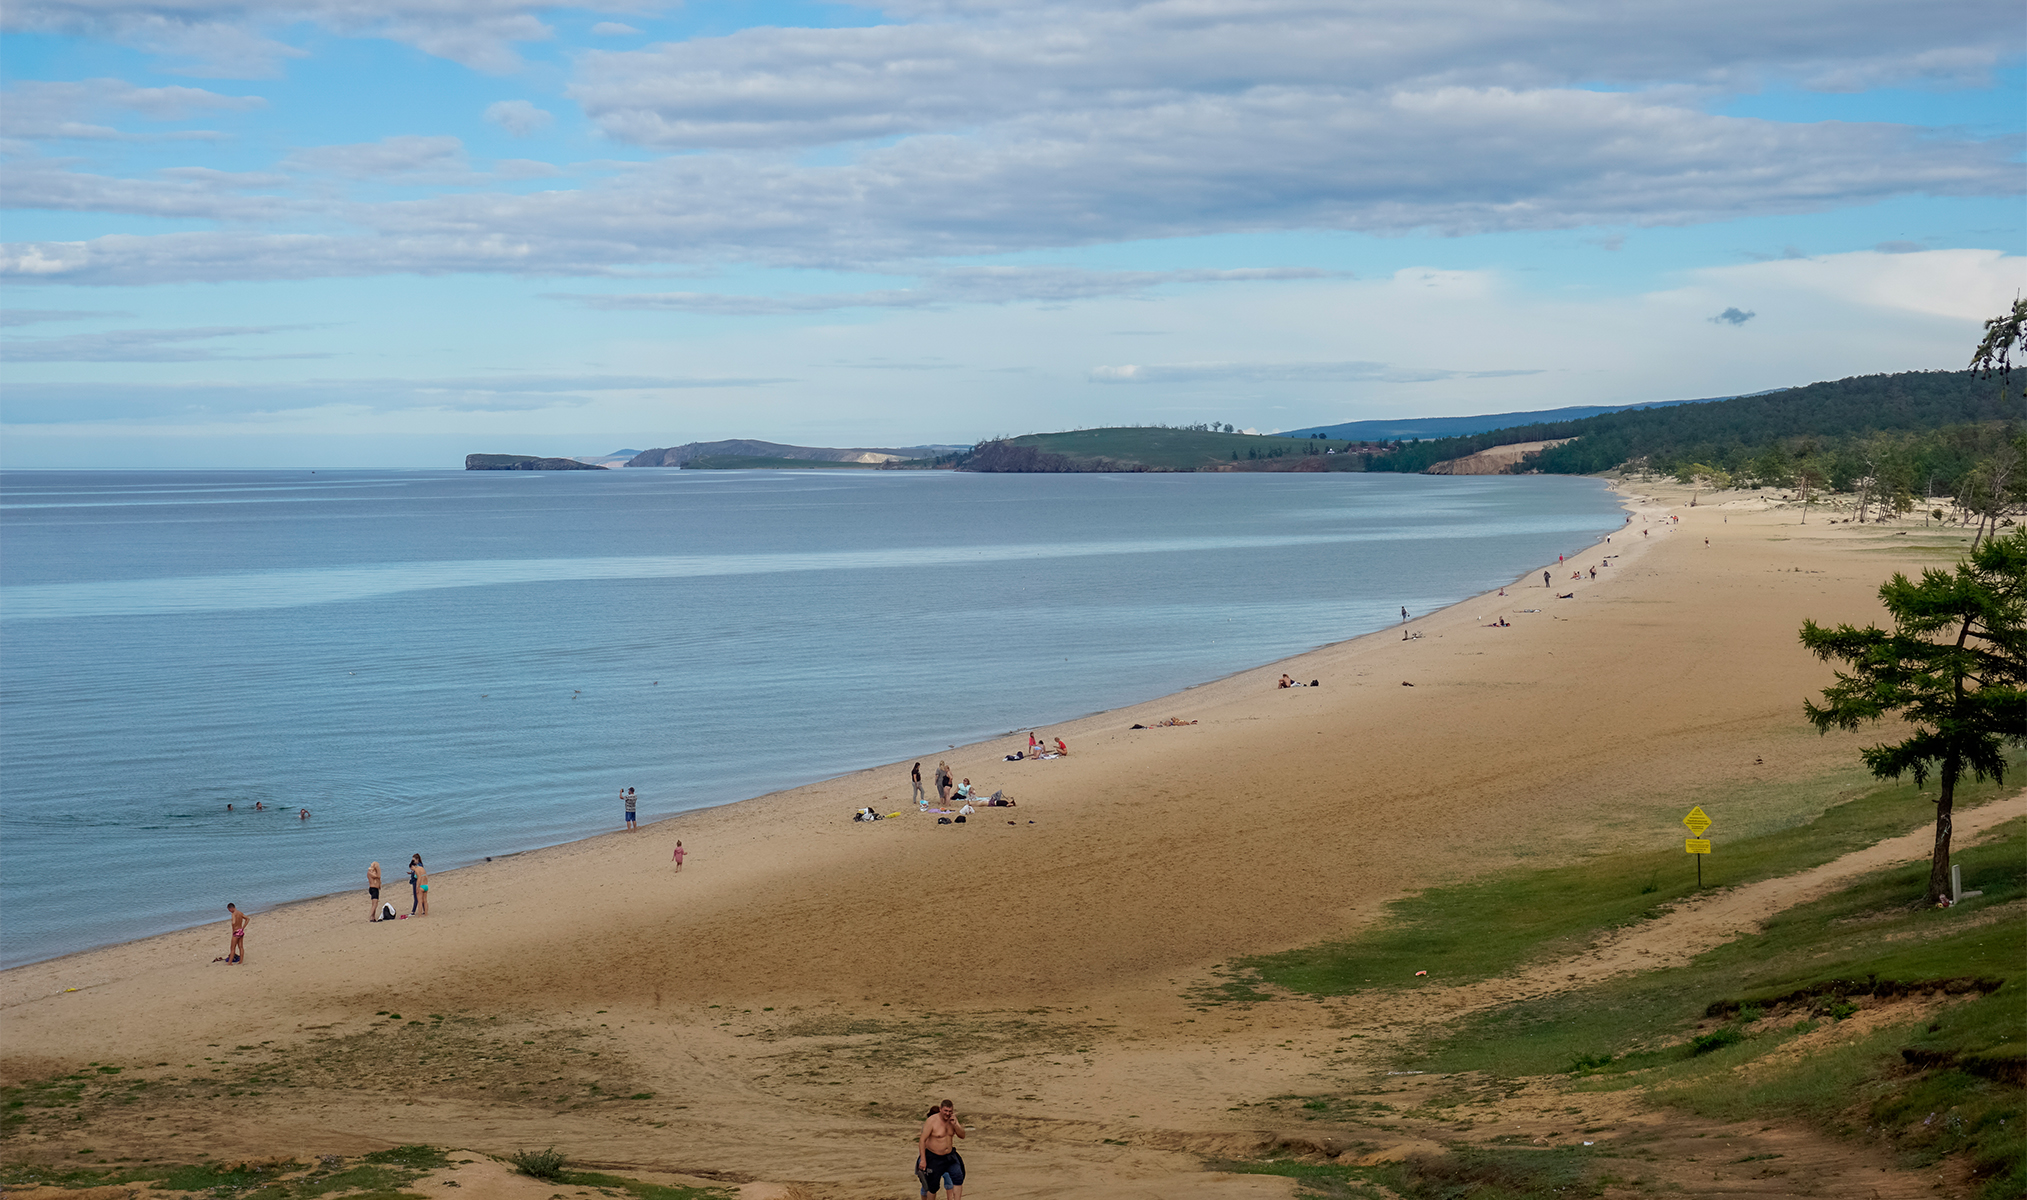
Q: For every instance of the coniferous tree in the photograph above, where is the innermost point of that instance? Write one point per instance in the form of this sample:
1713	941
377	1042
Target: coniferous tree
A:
1954	668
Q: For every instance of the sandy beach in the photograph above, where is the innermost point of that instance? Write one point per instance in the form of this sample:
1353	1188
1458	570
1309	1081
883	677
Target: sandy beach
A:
785	1007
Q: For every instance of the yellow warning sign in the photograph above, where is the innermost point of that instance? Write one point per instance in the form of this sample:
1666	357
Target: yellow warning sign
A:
1697	822
1696	845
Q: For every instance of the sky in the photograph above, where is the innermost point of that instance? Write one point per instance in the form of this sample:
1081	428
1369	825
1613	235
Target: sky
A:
387	233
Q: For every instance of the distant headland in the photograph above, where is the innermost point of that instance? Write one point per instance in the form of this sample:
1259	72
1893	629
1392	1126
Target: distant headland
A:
525	462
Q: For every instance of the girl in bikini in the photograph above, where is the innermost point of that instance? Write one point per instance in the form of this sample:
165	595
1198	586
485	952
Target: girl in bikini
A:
420	874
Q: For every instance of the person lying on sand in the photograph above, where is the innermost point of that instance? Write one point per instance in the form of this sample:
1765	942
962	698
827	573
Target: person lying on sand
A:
1285	682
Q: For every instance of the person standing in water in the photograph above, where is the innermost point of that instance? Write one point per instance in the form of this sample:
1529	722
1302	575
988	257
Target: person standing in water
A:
373	892
628	796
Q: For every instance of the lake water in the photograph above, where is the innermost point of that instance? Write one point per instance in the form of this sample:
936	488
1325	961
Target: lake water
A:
465	664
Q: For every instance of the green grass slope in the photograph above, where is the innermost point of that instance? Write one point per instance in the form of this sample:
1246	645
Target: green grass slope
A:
1935	1072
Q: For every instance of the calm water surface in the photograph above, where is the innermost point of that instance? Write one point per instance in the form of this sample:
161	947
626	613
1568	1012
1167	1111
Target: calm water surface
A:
465	664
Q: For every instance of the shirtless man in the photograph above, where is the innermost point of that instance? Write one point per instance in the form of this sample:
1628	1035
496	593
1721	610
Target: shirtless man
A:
936	1157
373	892
235	946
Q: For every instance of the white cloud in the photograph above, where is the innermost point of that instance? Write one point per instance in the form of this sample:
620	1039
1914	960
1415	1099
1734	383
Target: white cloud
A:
964	66
1959	285
12	317
1455	162
963	285
39	111
519	117
143	345
187	193
613	29
408	154
228	38
65	403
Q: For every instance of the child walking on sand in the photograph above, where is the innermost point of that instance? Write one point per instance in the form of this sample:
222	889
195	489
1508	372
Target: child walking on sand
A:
680	855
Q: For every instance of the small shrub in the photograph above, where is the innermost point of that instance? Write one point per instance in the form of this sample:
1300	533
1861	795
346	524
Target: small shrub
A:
539	1164
1588	1062
1717	1039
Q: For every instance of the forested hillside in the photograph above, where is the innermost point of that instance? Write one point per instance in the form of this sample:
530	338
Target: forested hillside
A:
1735	434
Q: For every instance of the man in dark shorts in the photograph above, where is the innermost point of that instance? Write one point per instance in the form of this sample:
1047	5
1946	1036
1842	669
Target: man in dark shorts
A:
629	798
373	891
936	1158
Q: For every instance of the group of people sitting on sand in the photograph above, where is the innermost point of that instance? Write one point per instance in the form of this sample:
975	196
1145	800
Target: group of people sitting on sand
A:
1039	748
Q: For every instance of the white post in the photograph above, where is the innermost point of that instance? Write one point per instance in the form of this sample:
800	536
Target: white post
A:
1956	884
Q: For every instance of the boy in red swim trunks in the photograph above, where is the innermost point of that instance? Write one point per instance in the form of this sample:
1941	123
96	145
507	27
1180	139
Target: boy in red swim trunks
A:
235	946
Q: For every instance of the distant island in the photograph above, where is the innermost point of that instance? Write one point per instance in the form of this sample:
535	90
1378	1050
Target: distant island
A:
525	462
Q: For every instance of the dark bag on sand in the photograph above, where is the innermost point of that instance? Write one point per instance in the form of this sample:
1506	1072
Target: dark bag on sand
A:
958	821
943	820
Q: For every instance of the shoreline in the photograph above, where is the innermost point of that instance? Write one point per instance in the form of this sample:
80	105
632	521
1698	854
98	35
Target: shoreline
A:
1075	723
781	1009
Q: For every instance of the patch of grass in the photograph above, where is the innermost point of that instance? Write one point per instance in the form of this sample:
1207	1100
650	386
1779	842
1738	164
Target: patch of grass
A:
1462	1173
641	1190
362	1178
1487	927
1716	1039
222	1178
1326	1180
1943	1085
31	1175
425	1158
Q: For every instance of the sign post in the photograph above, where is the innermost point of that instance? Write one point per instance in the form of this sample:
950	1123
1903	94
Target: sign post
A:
1697	844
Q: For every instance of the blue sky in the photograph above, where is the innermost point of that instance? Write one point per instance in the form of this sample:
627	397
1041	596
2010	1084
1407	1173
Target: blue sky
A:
389	232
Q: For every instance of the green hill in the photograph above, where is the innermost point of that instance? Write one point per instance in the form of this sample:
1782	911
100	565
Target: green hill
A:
1735	433
754	462
1143	448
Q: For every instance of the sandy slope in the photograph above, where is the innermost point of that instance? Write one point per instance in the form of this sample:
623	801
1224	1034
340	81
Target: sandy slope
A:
795	995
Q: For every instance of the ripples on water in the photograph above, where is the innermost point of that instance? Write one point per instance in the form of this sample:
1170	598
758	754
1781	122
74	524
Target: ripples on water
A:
465	664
